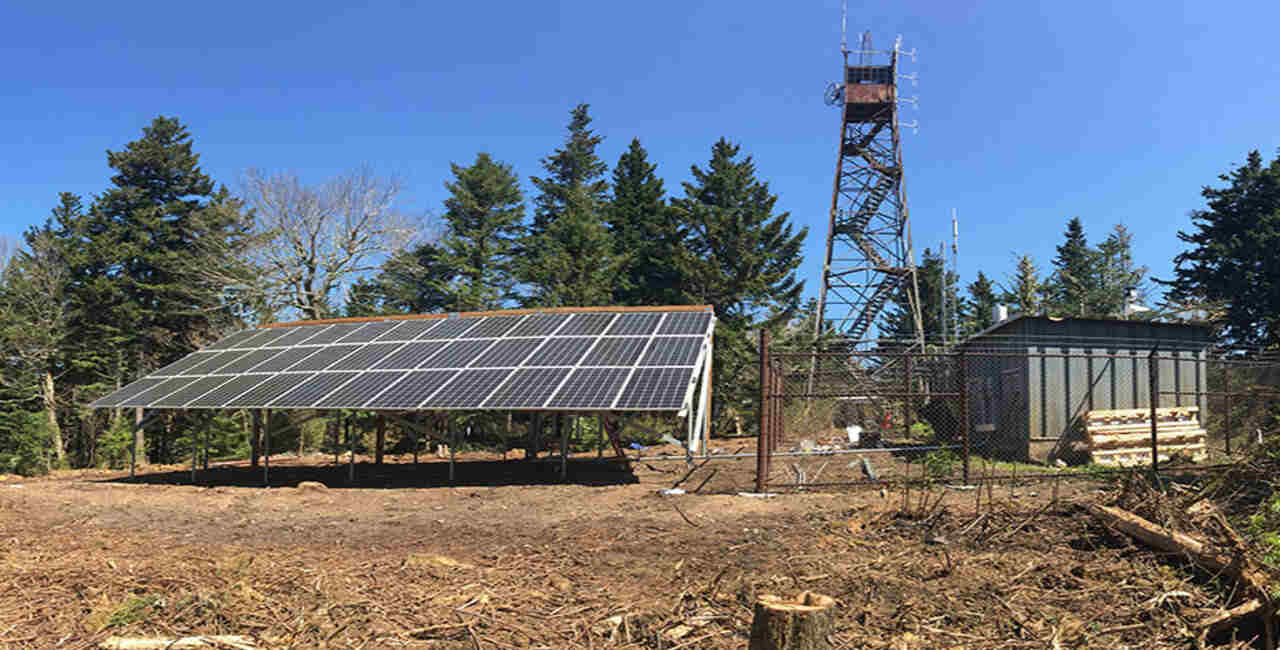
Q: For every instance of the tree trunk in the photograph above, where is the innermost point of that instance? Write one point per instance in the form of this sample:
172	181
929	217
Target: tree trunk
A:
51	412
805	623
381	439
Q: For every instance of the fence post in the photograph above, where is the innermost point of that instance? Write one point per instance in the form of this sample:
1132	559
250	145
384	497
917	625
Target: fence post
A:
907	410
964	409
1226	414
762	442
1153	374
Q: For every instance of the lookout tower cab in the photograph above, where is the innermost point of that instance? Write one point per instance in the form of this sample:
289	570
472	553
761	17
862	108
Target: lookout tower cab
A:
870	93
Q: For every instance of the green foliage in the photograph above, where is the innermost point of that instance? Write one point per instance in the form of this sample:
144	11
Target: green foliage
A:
644	232
982	301
134	610
484	212
930	278
940	464
741	258
26	450
115	445
1072	284
1025	290
569	257
1232	270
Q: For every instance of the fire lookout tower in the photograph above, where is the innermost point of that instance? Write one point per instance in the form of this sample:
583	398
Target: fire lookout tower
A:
869	260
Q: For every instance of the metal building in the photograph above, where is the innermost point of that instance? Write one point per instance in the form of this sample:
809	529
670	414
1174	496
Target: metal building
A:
1031	379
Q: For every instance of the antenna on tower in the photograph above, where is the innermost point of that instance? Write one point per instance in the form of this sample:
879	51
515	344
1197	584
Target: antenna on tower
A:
844	28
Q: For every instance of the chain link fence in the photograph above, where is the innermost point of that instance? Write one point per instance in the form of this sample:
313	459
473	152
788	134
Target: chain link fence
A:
967	414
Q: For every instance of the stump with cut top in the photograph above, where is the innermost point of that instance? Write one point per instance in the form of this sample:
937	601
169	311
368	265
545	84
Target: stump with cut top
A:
805	623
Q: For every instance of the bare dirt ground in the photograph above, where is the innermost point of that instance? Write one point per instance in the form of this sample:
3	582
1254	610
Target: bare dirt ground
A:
510	558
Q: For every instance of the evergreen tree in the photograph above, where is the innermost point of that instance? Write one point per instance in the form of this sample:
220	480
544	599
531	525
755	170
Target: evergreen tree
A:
1072	284
1115	273
929	283
484	213
572	169
1232	270
741	258
415	282
568	255
146	235
983	301
643	231
1025	291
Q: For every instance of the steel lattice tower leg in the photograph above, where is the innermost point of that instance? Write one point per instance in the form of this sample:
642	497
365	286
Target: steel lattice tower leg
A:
869	259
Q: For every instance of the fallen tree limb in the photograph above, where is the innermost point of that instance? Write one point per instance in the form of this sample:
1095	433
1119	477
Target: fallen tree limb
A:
1229	618
1175	542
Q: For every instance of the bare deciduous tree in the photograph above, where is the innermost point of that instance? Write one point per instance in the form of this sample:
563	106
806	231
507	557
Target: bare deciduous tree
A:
316	239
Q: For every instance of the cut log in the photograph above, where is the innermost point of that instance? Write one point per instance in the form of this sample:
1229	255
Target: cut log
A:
1229	618
222	641
805	623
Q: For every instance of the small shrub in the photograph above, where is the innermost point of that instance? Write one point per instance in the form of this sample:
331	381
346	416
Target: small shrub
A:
940	463
27	450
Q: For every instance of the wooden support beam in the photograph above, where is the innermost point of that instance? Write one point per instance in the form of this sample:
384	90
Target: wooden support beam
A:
381	439
266	449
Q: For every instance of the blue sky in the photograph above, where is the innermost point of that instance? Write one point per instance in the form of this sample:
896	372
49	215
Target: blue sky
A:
1029	113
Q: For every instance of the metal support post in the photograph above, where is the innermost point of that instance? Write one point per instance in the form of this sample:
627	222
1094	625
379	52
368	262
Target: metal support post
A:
451	436
762	441
351	454
965	429
1226	413
266	449
1153	373
564	449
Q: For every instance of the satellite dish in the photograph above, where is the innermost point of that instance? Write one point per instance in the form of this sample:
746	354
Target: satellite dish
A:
834	96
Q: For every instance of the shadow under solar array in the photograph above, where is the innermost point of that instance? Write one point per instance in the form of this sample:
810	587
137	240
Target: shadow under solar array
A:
605	360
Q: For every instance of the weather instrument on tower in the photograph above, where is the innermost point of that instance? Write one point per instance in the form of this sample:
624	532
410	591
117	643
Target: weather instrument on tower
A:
869	261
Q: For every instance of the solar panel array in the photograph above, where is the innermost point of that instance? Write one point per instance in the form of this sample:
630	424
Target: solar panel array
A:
641	361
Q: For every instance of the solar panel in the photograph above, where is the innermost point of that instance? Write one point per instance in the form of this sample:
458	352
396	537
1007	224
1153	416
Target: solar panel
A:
324	357
493	326
539	325
127	391
450	328
527	388
410	391
209	365
261	395
590	388
457	354
410	355
363	388
180	397
295	336
635	324
655	388
221	395
248	361
585	324
309	392
616	352
284	360
408	330
561	352
468	389
673	351
369	332
572	360
332	333
231	340
685	323
507	354
158	391
188	361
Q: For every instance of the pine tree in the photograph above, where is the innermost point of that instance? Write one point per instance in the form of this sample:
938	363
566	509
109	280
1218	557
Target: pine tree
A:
572	169
1072	284
740	257
1232	270
1115	274
1025	291
568	255
484	215
148	252
929	283
643	231
411	282
983	301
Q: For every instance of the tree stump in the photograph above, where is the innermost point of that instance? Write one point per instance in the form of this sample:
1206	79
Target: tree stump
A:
805	623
